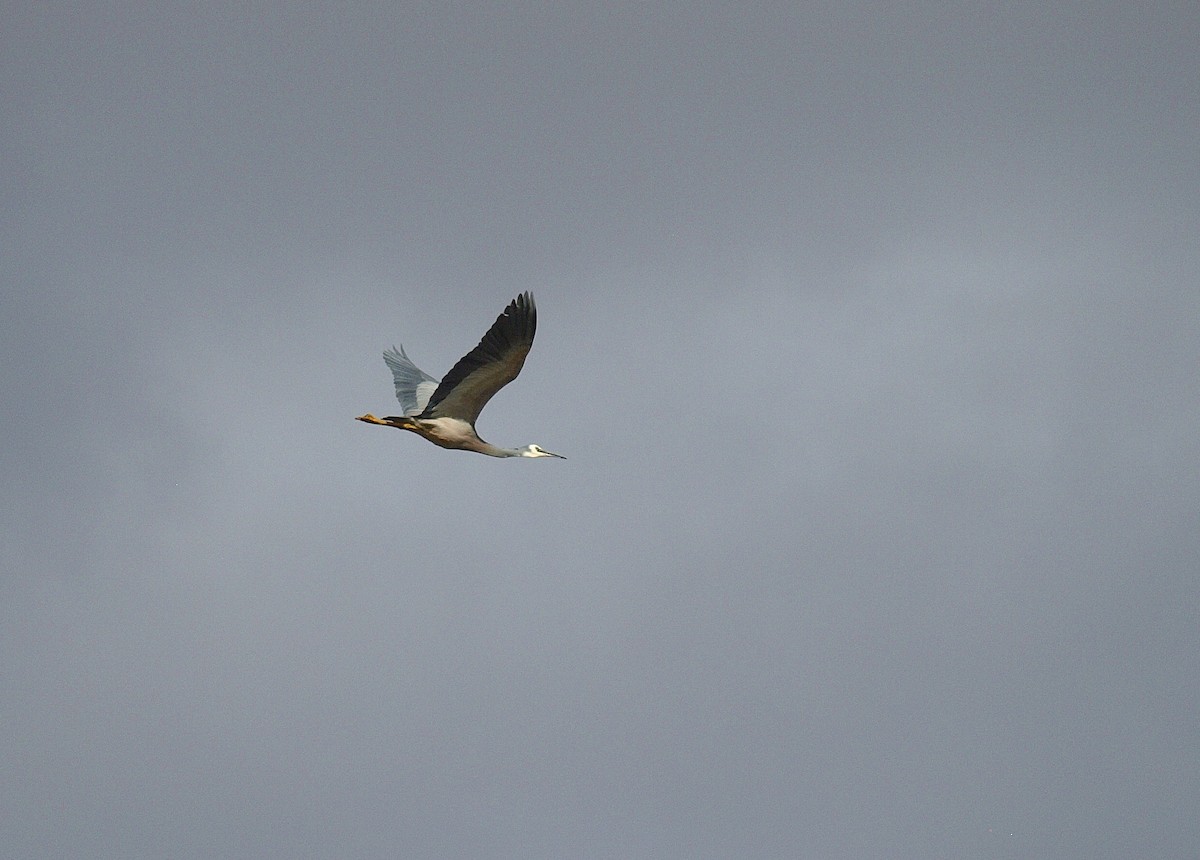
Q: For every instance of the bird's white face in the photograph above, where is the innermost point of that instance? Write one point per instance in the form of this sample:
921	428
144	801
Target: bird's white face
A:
535	451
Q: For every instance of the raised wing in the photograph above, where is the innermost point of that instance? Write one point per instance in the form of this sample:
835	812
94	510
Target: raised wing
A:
414	386
489	367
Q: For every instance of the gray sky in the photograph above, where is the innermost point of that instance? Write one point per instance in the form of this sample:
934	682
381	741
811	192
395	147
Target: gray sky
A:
871	334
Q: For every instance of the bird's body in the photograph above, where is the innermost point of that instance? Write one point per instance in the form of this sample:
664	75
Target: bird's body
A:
445	412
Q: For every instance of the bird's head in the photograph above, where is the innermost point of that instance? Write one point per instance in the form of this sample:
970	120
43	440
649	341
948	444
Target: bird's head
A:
535	451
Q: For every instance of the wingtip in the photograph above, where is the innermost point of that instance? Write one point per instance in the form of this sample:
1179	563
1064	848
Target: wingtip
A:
524	304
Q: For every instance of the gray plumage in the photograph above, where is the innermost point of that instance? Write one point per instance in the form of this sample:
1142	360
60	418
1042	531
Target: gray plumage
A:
445	412
414	386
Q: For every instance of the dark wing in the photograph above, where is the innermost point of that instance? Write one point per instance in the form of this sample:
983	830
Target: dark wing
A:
483	371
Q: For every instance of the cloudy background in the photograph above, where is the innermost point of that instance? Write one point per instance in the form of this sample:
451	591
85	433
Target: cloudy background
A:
871	333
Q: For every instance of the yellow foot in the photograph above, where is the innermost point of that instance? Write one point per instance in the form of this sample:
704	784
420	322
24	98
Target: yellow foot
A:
370	419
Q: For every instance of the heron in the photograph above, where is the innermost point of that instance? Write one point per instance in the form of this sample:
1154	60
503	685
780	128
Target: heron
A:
445	412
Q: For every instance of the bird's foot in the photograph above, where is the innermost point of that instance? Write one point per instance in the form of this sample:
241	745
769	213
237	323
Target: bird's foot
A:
370	419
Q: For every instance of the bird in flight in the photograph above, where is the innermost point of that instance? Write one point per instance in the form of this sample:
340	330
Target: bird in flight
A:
445	412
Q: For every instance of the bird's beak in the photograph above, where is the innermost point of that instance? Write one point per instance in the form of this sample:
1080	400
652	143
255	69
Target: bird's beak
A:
552	454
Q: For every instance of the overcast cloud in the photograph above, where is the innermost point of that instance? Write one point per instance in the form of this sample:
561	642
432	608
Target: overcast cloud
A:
870	331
